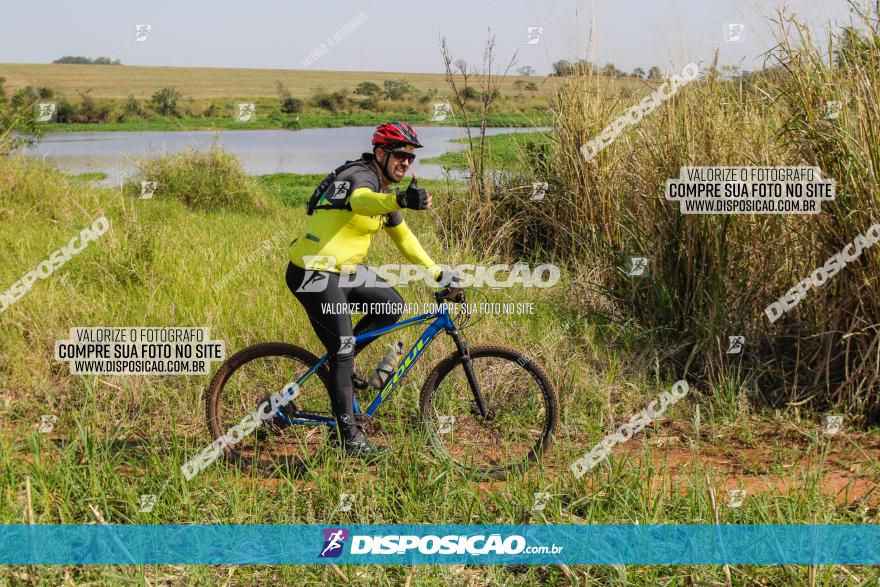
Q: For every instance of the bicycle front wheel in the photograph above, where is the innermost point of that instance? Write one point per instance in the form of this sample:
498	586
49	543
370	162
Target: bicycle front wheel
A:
522	410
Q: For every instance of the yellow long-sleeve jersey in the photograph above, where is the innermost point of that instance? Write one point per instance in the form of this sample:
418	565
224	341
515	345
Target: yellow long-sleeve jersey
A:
339	234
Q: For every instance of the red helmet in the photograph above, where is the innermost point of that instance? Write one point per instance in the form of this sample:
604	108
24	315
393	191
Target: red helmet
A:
395	134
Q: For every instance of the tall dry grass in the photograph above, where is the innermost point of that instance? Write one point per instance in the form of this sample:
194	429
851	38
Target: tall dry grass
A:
711	276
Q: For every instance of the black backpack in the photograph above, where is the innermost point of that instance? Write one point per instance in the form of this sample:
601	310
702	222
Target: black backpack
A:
328	182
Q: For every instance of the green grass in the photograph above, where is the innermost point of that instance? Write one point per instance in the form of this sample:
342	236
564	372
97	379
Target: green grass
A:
293	122
89	177
119	437
506	151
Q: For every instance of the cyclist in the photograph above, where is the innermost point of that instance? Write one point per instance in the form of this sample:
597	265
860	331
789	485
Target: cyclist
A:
346	210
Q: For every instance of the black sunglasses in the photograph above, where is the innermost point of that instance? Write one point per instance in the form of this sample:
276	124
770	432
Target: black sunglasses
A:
404	155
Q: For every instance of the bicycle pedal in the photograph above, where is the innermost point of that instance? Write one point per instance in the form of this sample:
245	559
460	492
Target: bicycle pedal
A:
370	425
276	425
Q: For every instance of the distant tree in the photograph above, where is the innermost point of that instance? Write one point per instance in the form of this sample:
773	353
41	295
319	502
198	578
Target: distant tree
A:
397	89
526	70
562	67
610	71
654	73
165	101
368	89
518	84
87	61
584	67
532	87
639	73
469	93
73	59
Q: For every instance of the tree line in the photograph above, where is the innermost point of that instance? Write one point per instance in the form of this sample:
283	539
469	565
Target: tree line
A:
87	60
565	67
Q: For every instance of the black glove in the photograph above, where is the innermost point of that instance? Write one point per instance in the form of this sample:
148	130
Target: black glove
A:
414	197
451	279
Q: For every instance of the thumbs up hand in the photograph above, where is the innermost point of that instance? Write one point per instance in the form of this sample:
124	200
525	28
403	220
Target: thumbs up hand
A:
414	197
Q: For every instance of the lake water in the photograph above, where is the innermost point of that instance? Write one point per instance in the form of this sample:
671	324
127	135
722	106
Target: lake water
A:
313	150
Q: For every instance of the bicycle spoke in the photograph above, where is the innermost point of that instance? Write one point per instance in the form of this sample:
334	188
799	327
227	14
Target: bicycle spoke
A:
516	421
275	443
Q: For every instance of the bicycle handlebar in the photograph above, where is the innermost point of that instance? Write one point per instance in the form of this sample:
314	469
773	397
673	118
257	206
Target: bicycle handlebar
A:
453	294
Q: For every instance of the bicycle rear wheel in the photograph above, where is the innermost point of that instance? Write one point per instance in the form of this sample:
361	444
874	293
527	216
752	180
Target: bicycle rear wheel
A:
251	376
522	411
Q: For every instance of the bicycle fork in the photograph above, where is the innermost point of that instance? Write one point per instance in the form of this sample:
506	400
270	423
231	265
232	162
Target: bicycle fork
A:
466	364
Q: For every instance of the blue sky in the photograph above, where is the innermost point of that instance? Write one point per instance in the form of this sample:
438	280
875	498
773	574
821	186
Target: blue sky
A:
399	36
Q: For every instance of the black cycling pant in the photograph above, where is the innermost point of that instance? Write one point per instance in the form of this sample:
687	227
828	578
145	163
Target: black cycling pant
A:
313	288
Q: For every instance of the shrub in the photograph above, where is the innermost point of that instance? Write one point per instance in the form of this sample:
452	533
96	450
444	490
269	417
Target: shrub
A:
25	97
428	96
397	89
332	101
165	101
470	93
133	108
90	111
202	180
65	111
291	105
368	89
18	123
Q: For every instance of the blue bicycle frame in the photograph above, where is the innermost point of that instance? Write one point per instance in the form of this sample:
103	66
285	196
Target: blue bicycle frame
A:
441	321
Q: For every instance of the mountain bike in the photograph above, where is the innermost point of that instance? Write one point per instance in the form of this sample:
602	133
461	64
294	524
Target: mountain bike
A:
489	409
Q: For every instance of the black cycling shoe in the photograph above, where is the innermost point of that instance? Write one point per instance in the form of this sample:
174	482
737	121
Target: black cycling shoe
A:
358	445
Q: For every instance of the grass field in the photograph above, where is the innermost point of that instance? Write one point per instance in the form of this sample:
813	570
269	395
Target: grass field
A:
119	437
209	96
208	82
290	122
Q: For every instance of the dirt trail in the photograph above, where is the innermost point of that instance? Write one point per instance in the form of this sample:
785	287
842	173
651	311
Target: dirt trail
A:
777	461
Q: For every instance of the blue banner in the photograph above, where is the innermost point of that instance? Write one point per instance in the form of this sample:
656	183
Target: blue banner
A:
666	544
